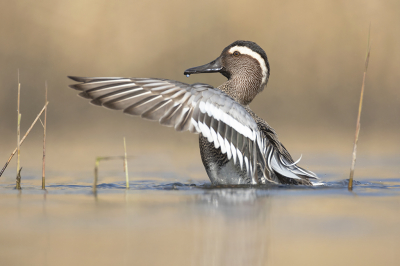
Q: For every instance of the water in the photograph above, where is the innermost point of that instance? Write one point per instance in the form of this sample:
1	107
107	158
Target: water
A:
166	219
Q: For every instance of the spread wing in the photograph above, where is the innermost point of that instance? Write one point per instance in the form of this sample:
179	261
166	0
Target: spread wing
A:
198	108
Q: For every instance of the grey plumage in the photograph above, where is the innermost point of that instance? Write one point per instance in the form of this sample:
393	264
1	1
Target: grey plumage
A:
236	145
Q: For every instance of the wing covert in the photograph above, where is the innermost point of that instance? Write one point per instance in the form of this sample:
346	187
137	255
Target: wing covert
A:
198	108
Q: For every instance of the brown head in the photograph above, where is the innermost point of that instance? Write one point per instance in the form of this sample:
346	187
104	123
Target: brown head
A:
246	66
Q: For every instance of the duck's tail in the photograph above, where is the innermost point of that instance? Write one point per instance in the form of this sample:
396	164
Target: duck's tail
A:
282	170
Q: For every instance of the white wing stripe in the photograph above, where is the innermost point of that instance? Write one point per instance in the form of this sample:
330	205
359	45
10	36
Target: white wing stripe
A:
196	126
219	115
197	108
221	143
228	149
240	157
247	163
215	138
233	149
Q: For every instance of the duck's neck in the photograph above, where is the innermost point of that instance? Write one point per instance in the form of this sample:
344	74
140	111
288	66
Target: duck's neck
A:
243	88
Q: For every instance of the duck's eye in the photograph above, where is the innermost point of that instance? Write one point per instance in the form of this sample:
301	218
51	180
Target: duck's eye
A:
236	53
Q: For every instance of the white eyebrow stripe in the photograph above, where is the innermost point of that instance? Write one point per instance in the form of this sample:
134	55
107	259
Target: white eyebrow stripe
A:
247	51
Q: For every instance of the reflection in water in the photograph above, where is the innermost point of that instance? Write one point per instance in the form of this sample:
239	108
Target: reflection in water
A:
234	226
164	223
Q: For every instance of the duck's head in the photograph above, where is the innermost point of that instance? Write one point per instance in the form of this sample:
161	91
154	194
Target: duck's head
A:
244	63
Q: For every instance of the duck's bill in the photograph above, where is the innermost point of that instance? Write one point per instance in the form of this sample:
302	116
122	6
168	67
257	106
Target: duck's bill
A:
214	66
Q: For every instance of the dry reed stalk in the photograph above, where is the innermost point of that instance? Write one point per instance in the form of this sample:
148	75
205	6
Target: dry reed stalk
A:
96	168
126	166
96	172
353	163
18	177
22	140
44	143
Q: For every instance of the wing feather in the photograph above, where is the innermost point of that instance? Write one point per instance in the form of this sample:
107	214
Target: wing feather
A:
158	110
198	108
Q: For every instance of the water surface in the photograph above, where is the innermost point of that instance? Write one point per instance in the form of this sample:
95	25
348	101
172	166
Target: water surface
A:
166	218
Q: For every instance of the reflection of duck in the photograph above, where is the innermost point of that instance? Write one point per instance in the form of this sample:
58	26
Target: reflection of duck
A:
233	227
236	146
229	196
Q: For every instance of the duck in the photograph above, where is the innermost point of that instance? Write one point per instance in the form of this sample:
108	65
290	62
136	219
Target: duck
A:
237	147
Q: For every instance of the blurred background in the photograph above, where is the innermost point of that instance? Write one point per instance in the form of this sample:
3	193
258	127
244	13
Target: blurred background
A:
316	50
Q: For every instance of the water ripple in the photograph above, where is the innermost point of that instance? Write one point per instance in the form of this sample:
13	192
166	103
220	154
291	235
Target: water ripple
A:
370	187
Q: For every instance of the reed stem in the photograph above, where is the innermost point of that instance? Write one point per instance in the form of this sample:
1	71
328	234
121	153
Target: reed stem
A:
44	143
96	173
96	168
18	177
353	163
126	166
22	140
